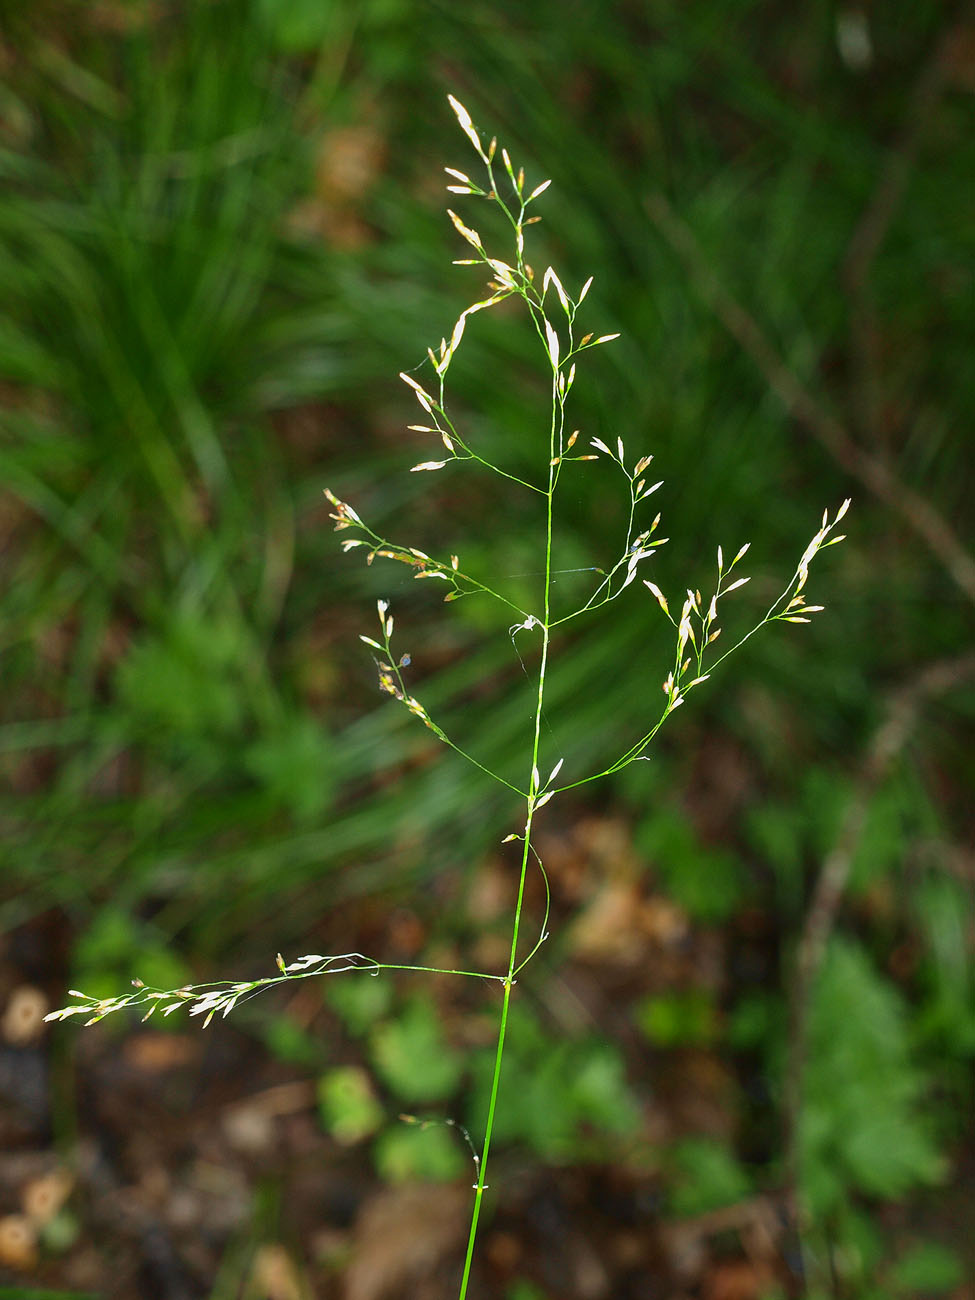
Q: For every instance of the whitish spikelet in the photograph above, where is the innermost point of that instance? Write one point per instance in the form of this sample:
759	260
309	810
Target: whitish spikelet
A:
466	124
553	345
471	236
660	597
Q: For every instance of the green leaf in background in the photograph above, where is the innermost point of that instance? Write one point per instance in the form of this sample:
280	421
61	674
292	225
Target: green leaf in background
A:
117	948
900	813
524	1290
295	764
680	1019
561	1097
34	1293
946	910
863	1124
424	1152
360	1000
784	836
704	1175
60	1233
927	1269
186	680
347	1104
707	882
299	26
756	1018
412	1057
775	836
860	1248
598	1089
288	1041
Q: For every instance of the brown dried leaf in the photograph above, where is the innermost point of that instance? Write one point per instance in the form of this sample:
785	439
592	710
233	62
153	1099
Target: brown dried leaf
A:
18	1243
23	1018
403	1239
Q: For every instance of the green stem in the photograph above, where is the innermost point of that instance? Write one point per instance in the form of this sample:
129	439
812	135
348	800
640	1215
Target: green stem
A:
482	1164
526	850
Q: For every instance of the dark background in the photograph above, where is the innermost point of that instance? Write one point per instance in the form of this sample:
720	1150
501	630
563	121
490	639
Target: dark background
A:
221	237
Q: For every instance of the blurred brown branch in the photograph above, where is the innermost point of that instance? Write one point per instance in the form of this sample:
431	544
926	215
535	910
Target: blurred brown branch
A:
901	716
875	473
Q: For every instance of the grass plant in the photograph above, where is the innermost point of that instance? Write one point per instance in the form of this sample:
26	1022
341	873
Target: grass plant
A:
538	626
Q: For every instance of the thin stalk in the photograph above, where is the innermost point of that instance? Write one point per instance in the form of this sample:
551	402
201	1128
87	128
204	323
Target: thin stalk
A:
526	850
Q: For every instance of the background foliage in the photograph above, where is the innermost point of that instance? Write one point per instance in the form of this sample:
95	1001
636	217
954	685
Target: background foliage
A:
221	237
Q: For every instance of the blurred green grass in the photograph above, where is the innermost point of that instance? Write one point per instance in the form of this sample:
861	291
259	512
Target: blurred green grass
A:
222	236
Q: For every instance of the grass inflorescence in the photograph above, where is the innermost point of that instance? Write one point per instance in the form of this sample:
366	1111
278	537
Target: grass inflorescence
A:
695	618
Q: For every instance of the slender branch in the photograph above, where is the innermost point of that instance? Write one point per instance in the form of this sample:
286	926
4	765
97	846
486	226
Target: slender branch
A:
543	929
223	996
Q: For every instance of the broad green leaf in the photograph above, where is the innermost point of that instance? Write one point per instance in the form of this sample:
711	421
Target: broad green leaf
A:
427	1153
348	1105
412	1057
